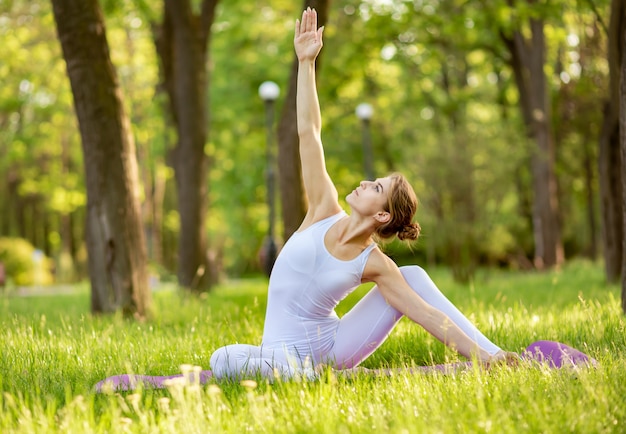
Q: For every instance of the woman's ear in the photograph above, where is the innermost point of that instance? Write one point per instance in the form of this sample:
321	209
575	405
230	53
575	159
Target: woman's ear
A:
382	217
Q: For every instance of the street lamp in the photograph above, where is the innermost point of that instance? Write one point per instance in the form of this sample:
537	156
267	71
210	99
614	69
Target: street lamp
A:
269	91
364	112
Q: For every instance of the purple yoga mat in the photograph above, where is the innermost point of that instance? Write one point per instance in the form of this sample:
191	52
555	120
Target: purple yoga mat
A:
131	381
550	353
557	355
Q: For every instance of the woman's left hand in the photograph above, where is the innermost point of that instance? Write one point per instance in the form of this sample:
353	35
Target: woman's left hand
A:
308	38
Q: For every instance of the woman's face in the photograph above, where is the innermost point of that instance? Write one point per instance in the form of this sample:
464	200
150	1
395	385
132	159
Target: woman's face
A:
370	197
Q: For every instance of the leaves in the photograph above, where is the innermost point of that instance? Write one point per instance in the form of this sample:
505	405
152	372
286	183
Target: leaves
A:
424	66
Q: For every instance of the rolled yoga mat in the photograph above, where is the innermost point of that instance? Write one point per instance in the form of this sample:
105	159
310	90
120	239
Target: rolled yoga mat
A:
553	354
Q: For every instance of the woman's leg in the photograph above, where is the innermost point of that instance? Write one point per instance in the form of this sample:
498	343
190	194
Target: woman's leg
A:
362	330
368	324
244	361
419	280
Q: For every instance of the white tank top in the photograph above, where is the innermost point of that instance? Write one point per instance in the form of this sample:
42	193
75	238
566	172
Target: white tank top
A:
305	286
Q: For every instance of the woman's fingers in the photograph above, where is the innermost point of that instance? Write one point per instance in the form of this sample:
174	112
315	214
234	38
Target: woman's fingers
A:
504	357
306	20
309	20
312	20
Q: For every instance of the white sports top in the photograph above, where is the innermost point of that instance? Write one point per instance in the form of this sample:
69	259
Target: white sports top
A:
305	286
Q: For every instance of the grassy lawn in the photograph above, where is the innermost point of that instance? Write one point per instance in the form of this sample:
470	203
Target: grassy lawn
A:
54	351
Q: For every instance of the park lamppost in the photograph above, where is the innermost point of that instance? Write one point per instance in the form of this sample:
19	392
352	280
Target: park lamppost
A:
364	112
269	91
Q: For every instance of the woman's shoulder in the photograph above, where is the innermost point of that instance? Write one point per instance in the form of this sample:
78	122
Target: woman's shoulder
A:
378	264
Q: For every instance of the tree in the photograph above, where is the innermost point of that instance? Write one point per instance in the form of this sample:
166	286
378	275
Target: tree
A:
609	160
393	61
620	11
527	60
289	172
115	240
182	42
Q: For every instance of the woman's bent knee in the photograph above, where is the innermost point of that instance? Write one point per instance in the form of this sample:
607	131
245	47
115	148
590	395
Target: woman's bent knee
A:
412	272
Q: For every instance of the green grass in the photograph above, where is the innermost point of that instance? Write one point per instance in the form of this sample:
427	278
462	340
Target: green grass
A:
54	351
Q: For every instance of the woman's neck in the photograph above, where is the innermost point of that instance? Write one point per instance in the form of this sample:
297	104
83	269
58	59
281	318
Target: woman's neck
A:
354	230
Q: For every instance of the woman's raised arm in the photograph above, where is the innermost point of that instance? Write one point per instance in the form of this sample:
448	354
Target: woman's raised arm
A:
321	193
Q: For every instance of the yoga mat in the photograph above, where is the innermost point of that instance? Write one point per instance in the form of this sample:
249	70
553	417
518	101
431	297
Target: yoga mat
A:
553	354
131	381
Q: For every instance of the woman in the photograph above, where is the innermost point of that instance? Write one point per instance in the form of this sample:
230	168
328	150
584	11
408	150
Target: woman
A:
331	254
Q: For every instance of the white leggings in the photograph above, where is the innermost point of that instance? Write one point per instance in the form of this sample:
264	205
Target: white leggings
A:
360	332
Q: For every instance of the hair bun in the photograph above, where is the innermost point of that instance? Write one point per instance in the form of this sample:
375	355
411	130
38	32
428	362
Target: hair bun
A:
409	232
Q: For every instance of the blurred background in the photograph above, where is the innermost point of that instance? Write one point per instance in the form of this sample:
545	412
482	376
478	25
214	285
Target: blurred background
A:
493	110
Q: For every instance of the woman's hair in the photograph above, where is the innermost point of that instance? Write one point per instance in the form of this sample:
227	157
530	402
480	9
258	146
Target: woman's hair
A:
401	205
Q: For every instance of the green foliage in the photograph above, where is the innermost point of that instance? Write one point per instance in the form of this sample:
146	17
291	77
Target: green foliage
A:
54	351
23	264
436	73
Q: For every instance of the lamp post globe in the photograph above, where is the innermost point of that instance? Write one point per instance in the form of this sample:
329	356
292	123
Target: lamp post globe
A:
269	91
364	111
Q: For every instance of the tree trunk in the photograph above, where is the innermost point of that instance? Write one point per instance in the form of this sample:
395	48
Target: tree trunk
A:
461	244
158	195
19	205
182	40
609	159
293	198
115	241
45	231
590	199
527	62
67	255
622	128
146	170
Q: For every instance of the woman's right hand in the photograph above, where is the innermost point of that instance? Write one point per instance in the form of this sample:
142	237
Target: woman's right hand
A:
308	38
504	357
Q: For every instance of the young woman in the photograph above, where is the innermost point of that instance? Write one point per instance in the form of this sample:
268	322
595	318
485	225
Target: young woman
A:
331	254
